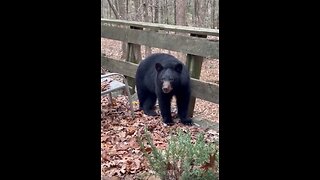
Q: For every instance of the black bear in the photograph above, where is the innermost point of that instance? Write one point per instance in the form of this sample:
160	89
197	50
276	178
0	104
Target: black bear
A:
163	76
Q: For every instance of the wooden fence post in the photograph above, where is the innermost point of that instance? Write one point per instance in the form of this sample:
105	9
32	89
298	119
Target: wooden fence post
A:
134	56
194	64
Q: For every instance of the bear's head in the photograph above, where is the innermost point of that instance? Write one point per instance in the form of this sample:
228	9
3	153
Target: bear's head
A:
168	76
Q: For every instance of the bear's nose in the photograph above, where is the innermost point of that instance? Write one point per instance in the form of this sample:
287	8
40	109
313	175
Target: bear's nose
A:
165	90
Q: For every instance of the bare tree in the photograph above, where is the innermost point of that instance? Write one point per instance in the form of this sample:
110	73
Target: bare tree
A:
102	9
164	12
205	15
114	10
127	9
216	14
199	13
195	8
160	6
137	9
122	9
181	7
156	11
116	4
145	11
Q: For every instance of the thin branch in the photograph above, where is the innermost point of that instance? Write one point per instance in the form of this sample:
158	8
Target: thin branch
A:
114	10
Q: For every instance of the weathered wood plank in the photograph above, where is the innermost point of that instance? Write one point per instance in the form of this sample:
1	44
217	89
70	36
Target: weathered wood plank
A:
156	26
194	64
134	50
134	56
204	90
199	89
189	45
122	67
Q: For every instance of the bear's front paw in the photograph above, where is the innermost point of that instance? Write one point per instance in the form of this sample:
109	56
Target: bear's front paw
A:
187	121
169	122
150	113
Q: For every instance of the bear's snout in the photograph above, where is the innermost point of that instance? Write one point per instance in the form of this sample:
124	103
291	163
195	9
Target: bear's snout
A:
166	87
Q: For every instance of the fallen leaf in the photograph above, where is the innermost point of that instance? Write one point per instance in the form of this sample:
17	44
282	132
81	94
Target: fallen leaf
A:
131	130
148	149
211	164
105	156
133	143
122	134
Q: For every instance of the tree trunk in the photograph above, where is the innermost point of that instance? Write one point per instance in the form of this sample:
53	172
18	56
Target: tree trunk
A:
137	9
181	7
166	13
114	10
216	14
127	9
146	19
109	10
199	13
196	12
205	14
123	15
156	11
116	4
161	11
102	9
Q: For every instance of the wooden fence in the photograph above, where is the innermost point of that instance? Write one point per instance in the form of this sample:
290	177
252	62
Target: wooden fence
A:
190	40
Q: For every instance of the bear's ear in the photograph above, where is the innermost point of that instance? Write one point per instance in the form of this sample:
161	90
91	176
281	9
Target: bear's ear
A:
178	68
158	67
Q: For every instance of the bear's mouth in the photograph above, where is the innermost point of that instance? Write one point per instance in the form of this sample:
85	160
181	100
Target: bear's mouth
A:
166	90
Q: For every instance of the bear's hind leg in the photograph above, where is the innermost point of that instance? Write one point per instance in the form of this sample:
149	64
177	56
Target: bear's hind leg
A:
148	104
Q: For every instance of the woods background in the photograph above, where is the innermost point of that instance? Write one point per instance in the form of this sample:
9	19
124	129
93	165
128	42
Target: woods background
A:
197	13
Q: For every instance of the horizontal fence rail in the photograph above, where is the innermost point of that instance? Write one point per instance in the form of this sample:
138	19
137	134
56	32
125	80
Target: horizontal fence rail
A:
156	26
186	44
200	89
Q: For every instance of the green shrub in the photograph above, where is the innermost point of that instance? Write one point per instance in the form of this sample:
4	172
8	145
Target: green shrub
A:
182	159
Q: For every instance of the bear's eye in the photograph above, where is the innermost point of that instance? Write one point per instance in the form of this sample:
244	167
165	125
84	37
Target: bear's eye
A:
171	79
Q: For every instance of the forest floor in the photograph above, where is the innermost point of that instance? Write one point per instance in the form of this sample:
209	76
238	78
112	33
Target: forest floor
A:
121	157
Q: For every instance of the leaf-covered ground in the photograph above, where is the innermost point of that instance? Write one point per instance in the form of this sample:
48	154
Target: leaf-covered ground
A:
121	156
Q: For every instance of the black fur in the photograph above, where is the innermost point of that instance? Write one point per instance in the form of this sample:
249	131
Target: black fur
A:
151	74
